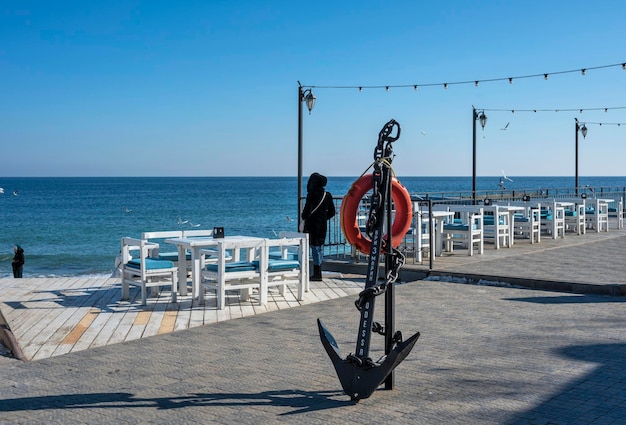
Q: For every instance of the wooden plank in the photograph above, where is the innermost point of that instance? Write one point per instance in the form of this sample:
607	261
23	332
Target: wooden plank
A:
68	293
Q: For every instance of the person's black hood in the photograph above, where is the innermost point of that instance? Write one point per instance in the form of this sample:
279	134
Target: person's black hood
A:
19	248
316	182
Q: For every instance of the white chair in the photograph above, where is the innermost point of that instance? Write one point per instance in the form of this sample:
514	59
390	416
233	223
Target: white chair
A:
597	215
528	224
553	219
497	226
159	236
145	271
575	215
466	230
224	276
421	234
617	212
285	262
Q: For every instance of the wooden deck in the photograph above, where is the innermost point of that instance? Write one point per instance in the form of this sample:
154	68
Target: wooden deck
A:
51	317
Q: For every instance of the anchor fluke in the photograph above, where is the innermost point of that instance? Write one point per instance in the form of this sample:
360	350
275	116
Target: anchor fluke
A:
359	379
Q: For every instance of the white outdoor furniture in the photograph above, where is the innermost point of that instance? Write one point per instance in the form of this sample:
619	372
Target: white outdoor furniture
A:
526	221
618	213
421	234
574	214
597	214
553	219
285	263
241	275
145	271
466	230
199	245
497	225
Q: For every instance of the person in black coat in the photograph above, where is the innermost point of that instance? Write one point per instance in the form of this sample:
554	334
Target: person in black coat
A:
318	209
18	261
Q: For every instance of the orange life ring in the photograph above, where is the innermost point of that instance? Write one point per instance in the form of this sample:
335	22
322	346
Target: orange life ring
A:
350	205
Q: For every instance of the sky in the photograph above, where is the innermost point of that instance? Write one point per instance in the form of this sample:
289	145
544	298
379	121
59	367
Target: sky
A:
210	87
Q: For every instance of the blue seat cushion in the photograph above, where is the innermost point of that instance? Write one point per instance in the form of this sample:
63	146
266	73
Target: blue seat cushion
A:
590	210
455	226
288	256
151	264
489	220
612	209
279	265
569	213
237	266
172	256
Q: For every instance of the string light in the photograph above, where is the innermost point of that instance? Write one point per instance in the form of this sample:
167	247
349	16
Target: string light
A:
476	82
580	110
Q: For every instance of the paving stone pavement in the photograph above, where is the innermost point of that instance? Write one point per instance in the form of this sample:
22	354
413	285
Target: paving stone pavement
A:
486	355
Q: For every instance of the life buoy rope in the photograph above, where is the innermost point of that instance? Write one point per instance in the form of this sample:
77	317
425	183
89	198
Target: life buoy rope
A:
350	205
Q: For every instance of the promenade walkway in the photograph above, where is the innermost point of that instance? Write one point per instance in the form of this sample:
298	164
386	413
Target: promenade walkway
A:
488	354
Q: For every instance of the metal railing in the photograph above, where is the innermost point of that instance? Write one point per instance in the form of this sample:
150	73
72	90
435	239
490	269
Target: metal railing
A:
336	245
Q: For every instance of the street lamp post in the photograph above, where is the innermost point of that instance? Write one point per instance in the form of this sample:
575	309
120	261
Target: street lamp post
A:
308	97
583	130
483	120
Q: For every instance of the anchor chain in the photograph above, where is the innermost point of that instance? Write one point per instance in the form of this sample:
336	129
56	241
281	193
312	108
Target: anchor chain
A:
398	260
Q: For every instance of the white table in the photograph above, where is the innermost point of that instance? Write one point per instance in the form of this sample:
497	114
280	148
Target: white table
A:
196	245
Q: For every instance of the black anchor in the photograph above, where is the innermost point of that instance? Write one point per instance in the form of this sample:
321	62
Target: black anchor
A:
359	375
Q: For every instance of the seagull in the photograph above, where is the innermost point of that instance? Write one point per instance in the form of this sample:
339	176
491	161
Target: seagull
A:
181	221
127	210
505	127
194	225
501	184
15	193
505	177
1	190
288	218
274	231
423	132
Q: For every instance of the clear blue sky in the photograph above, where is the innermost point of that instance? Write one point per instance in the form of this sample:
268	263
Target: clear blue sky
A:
209	88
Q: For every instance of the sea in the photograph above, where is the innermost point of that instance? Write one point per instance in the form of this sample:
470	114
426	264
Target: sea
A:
72	226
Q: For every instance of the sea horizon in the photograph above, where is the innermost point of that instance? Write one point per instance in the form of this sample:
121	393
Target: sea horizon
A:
72	226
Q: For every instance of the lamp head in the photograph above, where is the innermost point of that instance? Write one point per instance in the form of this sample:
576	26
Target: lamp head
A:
583	130
309	99
483	119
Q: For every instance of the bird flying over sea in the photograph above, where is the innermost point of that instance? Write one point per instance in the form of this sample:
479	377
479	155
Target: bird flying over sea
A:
288	218
505	127
501	184
1	190
127	210
181	221
194	225
505	177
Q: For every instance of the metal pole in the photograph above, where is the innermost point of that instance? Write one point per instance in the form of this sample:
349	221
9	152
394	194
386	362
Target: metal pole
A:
390	315
474	117
576	164
300	96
